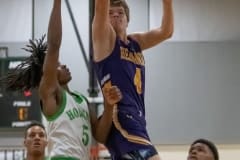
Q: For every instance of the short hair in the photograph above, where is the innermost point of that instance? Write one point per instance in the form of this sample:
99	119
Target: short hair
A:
32	124
28	73
210	145
122	3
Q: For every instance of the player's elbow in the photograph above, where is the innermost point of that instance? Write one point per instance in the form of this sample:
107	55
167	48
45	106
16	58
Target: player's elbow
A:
168	33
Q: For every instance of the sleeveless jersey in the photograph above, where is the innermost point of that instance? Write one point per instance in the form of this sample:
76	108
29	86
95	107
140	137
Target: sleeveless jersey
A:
125	68
69	130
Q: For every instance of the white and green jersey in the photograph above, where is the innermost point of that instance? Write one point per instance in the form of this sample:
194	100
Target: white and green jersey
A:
69	130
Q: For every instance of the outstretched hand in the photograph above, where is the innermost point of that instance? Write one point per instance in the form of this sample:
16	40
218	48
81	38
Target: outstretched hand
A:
112	95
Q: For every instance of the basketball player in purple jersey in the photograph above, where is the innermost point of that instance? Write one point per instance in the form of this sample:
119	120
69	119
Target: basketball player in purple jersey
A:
118	60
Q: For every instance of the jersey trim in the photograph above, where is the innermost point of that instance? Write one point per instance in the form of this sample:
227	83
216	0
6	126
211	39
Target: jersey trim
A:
80	95
124	133
63	158
61	109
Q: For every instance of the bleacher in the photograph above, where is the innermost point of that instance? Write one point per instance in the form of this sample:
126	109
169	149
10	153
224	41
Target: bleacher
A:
12	153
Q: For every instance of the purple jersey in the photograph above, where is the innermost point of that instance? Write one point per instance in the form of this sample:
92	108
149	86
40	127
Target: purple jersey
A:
125	68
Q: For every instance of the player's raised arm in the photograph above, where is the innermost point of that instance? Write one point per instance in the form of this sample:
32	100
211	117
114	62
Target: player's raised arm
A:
164	31
49	89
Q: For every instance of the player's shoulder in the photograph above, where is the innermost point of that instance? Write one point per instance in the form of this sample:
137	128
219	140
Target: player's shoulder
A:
80	95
